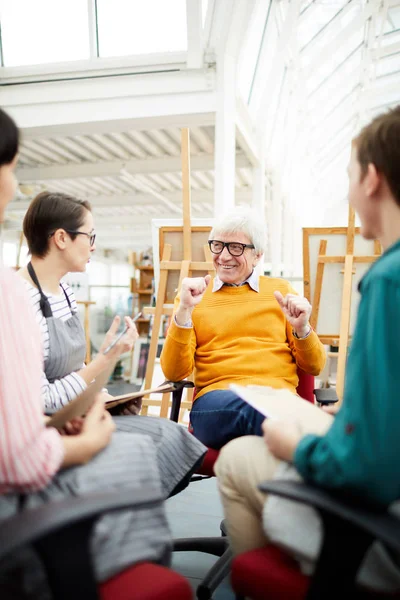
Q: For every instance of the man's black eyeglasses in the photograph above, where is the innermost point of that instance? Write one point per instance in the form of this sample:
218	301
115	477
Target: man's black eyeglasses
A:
91	236
234	248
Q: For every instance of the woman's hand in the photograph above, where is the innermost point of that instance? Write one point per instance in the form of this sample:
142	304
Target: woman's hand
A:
125	344
132	407
97	427
105	397
282	437
73	427
96	431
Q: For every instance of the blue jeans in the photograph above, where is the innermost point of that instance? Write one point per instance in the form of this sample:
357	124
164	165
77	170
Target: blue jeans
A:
220	416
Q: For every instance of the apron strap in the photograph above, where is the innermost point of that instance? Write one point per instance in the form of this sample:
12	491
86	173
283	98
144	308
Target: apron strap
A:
67	299
44	301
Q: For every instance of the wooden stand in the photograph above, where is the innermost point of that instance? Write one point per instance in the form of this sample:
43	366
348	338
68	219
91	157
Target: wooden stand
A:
186	267
349	260
86	304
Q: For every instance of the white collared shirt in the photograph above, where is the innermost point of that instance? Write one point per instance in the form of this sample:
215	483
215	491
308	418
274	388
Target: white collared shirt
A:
252	280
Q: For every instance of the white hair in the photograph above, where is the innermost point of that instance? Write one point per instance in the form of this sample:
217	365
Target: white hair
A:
245	220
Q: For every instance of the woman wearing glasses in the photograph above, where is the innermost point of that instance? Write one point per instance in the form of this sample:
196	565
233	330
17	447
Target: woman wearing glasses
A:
59	230
240	328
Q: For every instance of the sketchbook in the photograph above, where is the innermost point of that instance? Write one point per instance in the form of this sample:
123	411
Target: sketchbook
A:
165	387
81	404
283	404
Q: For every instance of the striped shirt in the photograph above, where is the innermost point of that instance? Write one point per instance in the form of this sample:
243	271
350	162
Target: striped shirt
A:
30	454
61	391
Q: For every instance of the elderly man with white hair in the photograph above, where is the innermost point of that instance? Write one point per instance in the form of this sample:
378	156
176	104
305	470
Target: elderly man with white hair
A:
237	327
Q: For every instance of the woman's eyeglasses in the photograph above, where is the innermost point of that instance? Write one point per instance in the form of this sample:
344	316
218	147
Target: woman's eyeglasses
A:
234	248
91	236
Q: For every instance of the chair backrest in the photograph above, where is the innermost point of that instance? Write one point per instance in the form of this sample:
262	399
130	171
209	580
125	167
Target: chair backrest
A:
306	385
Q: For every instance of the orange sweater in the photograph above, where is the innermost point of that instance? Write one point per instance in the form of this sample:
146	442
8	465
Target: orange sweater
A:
240	336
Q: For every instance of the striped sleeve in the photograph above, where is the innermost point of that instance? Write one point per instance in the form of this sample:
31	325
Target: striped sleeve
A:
30	454
60	392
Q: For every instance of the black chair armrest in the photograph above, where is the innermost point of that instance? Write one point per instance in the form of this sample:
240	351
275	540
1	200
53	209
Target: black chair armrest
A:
326	396
177	397
30	525
60	531
350	527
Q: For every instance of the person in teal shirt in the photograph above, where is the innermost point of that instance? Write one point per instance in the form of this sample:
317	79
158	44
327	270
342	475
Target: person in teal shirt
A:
360	452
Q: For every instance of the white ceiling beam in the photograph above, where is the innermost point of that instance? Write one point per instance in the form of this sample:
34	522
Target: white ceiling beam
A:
92	23
237	16
139	166
98	67
202	139
146	96
388	50
105	224
355	25
245	133
144	187
123	127
326	31
272	72
140	199
194	27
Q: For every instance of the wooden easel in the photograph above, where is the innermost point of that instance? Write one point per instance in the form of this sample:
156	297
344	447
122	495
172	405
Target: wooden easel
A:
348	260
186	268
87	304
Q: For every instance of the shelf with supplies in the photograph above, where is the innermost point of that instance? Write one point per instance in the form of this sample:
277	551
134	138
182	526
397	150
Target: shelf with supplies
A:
142	289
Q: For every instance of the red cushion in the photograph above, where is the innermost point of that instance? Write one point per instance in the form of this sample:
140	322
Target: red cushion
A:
146	582
207	466
305	388
268	573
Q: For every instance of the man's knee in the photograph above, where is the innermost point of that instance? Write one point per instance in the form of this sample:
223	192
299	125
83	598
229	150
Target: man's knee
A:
236	455
245	461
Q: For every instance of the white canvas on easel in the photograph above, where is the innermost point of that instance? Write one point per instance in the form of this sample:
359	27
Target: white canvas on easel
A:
328	323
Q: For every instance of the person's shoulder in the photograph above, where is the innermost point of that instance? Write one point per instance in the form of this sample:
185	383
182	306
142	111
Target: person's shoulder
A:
385	270
13	286
274	283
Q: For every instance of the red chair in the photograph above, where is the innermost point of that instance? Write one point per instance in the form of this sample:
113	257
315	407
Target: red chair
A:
59	532
349	529
146	582
219	546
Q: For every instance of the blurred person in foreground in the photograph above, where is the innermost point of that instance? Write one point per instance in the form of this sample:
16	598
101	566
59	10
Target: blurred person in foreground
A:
359	455
39	465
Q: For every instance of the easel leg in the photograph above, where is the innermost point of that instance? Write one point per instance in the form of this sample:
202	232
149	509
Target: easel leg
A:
344	325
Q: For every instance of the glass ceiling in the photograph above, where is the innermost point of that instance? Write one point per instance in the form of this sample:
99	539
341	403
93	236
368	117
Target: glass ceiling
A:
127	27
53	31
35	32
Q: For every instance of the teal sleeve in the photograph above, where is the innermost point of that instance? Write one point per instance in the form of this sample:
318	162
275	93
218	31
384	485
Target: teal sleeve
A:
360	453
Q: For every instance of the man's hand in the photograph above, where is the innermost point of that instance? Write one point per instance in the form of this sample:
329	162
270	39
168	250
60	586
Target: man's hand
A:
191	294
192	290
297	311
281	437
